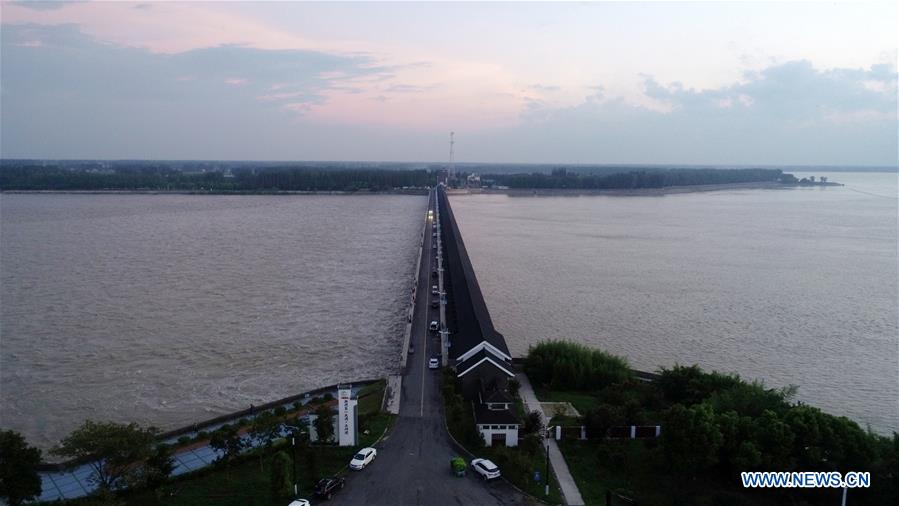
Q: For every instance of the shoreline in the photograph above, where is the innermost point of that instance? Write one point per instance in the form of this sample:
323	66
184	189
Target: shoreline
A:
667	190
512	192
412	192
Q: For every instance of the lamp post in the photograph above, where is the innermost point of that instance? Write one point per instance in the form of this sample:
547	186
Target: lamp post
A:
293	443
546	479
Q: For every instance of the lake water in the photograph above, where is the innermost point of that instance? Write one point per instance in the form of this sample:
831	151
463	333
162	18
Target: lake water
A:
170	309
791	286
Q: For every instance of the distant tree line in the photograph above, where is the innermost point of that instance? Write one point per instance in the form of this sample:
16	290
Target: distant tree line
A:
163	177
634	179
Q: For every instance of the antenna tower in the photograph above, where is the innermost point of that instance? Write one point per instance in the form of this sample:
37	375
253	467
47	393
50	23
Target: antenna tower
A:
452	167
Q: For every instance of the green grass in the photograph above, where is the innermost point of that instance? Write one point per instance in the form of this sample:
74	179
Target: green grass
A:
521	474
630	467
370	397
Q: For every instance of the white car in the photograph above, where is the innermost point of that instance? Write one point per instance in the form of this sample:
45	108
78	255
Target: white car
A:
363	458
300	502
434	325
485	468
433	363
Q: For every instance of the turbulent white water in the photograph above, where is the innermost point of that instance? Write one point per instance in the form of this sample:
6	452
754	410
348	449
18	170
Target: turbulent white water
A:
169	309
793	286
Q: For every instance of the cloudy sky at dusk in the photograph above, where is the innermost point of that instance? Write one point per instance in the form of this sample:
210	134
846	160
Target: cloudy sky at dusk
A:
691	83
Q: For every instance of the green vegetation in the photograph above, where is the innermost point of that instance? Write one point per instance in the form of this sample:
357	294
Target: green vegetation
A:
458	465
259	476
517	464
644	178
573	366
118	446
19	480
324	423
714	426
164	177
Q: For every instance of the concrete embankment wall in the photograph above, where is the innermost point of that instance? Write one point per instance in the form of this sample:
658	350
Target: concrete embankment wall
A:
410	312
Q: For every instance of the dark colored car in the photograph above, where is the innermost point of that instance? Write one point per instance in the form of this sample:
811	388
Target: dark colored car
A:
326	487
435	303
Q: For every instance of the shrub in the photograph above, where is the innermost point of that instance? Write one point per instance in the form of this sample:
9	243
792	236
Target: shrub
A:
569	365
601	419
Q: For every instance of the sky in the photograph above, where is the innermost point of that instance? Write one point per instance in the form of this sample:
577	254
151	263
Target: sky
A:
749	83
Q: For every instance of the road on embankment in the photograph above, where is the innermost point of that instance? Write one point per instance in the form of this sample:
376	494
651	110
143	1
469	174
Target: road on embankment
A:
412	466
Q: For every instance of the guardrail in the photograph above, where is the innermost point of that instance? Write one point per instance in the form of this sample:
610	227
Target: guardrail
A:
407	334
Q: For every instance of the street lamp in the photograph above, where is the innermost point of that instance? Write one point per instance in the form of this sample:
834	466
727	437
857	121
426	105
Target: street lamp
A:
293	442
546	475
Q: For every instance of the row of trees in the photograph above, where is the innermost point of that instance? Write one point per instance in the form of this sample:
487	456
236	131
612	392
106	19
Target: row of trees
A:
646	178
120	455
129	456
715	426
26	176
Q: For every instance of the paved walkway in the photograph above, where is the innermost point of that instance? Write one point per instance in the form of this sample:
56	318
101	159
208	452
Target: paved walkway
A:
570	492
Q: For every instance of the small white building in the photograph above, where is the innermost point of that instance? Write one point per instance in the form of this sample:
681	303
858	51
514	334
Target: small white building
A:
495	419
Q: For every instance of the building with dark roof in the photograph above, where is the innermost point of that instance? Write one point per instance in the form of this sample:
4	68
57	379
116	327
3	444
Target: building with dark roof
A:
477	351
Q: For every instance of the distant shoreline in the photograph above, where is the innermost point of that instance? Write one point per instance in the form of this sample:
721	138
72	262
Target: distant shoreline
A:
416	192
512	192
668	190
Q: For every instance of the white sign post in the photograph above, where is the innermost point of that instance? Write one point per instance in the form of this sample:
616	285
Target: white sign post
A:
346	416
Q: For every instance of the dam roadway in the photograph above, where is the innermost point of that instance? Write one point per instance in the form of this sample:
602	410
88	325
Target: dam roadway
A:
412	466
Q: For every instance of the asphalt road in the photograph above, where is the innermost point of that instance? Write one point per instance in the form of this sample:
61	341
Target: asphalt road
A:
412	466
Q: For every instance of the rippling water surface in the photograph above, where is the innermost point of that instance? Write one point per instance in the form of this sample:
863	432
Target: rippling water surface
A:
169	309
793	286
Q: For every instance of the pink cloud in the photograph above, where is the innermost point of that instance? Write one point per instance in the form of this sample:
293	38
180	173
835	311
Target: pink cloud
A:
236	81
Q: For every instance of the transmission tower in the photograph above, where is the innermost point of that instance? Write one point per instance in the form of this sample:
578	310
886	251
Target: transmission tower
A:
452	161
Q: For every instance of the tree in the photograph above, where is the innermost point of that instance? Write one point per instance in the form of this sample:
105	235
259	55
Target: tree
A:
690	438
266	427
19	481
533	423
602	418
227	440
324	424
280	479
113	449
159	466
